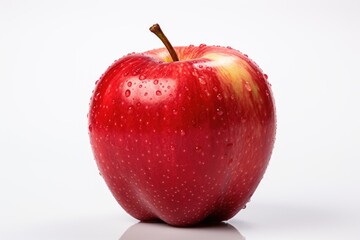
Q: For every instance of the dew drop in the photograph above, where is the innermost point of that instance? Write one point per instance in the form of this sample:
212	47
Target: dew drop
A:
265	76
142	77
127	93
202	81
90	128
96	82
158	93
136	71
140	86
182	132
219	112
156	82
229	144
129	84
197	148
175	112
200	66
202	45
219	96
146	93
247	86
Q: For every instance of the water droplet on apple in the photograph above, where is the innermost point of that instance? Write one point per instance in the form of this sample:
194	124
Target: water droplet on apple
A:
136	71
247	86
175	112
200	66
265	76
228	47
125	74
215	89
156	82
142	77
202	45
172	148
140	86
219	96
202	81
129	84
96	82
198	148
146	93
158	93
182	132
97	96
127	93
90	128
219	112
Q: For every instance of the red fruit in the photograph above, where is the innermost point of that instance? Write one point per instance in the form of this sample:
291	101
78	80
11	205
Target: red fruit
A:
183	141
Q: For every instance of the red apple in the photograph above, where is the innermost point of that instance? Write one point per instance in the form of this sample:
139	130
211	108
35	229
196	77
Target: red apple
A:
182	134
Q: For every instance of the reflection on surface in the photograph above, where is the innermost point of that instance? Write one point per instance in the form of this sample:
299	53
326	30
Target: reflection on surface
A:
161	231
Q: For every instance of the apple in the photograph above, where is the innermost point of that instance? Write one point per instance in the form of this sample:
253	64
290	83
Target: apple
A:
182	134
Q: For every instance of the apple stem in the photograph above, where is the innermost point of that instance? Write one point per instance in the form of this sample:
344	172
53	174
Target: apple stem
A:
159	33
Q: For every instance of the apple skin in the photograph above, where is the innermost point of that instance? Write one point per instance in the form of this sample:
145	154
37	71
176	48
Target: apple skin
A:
183	142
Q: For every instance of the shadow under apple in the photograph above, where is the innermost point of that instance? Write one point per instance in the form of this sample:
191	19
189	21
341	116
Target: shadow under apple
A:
159	231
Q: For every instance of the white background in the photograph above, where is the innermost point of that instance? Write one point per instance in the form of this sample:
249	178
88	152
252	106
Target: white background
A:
52	52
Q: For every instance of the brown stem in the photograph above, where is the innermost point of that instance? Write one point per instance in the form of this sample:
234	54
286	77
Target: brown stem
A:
159	33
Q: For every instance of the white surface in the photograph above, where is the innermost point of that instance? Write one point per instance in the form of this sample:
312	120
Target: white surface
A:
52	52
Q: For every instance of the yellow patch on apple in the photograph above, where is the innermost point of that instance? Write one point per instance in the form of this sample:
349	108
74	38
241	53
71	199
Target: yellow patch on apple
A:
235	70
